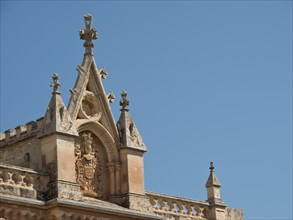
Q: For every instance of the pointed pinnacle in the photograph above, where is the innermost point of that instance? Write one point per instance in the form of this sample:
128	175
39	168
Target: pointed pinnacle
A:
124	102
212	166
55	84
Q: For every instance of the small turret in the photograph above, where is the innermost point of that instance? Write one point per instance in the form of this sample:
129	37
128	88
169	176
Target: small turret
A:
131	152
57	136
213	186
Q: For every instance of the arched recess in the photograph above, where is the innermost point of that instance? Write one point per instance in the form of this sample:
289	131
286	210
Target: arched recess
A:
104	137
97	161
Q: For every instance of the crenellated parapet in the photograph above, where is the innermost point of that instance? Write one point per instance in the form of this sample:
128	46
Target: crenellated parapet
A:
173	207
21	132
22	182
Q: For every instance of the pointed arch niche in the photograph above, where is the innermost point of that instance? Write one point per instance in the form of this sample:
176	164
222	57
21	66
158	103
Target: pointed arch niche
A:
97	161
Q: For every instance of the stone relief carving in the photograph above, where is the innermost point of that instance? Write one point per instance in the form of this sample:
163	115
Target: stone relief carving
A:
88	166
105	138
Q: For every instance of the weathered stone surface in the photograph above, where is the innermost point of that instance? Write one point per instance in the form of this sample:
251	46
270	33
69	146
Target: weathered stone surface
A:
66	190
25	153
234	214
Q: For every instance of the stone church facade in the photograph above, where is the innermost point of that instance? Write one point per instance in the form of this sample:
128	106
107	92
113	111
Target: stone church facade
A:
76	162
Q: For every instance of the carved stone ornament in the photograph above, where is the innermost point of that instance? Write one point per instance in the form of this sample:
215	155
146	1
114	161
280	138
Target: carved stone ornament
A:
55	84
89	107
88	34
87	165
124	102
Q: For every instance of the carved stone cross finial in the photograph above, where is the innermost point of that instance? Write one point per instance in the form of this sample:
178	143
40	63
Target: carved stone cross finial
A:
212	166
55	84
124	102
88	34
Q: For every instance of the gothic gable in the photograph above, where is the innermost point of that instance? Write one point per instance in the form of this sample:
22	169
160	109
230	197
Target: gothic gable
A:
88	99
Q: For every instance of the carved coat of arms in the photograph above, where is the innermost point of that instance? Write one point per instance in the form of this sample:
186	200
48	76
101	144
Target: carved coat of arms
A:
88	171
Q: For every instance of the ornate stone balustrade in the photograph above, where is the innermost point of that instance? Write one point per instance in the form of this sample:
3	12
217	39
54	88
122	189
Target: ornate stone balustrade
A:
22	182
176	207
20	132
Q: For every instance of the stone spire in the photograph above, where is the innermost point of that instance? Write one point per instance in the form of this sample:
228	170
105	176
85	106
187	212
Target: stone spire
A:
128	133
212	180
213	186
57	118
88	34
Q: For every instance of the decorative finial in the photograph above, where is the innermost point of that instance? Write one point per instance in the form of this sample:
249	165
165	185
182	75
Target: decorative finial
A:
124	102
88	34
103	73
212	166
55	84
111	97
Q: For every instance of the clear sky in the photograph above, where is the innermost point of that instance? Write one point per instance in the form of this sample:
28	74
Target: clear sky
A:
207	81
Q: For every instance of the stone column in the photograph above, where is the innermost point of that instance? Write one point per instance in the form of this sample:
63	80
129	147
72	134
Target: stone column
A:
111	168
118	178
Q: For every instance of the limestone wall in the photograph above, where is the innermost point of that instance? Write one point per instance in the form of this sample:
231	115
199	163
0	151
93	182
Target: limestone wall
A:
26	153
20	147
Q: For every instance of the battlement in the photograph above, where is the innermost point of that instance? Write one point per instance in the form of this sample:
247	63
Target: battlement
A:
20	132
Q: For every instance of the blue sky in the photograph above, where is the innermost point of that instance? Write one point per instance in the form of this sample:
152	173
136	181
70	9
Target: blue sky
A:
207	80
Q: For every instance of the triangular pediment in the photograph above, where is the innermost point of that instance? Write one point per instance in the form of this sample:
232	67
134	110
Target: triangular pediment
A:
88	101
